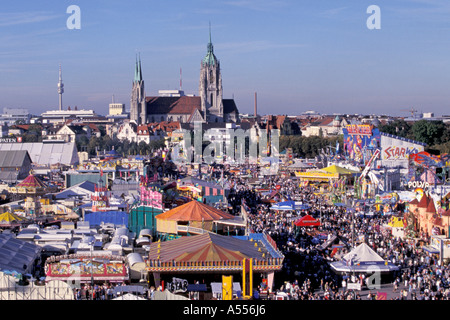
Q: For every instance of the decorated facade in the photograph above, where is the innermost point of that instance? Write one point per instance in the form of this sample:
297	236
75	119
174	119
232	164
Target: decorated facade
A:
86	268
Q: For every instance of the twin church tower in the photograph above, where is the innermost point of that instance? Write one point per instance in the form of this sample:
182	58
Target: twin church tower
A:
208	107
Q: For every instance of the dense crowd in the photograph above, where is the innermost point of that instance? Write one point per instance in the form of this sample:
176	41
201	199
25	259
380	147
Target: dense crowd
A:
306	274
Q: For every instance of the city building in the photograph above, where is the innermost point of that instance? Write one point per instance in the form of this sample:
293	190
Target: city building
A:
14	165
116	109
12	116
61	116
209	106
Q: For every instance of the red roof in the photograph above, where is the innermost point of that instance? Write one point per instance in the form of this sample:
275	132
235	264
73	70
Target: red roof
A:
307	221
431	208
172	105
423	203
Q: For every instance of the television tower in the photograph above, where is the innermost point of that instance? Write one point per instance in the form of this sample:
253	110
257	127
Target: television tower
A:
60	88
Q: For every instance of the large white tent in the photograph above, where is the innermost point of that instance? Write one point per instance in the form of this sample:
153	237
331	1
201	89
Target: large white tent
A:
48	152
362	259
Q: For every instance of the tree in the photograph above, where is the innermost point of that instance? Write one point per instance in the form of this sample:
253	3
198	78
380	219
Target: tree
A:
398	128
308	147
429	132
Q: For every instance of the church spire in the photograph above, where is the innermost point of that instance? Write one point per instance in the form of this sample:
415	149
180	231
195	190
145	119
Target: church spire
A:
138	70
210	46
210	59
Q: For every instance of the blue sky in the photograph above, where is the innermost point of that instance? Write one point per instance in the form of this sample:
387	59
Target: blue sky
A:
297	55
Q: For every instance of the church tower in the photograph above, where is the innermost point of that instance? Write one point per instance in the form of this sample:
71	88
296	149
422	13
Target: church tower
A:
210	88
60	88
138	109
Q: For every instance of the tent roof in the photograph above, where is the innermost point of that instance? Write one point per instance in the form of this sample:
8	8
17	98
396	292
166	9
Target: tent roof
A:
307	221
396	222
205	247
285	205
362	253
31	182
336	169
81	189
10	217
16	254
194	211
115	217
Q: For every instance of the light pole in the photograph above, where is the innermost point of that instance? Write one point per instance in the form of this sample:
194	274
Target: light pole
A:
92	266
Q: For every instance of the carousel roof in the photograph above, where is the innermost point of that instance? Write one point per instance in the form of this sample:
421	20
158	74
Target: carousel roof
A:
194	211
9	217
205	247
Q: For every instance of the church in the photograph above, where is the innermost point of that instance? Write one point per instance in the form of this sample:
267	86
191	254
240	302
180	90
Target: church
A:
208	107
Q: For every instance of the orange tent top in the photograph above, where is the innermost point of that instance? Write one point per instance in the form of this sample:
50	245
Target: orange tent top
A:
205	247
194	211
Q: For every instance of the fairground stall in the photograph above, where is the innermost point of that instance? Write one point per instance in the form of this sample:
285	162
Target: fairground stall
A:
206	258
96	267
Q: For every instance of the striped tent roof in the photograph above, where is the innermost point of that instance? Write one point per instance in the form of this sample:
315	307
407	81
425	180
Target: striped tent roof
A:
31	182
206	247
194	211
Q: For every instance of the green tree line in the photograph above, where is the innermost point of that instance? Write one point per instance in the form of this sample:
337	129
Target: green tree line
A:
124	148
309	147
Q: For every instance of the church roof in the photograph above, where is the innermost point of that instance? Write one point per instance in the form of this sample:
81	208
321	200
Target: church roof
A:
229	106
182	105
172	105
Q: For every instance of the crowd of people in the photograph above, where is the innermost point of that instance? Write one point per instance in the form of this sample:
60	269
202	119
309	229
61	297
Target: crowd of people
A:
306	274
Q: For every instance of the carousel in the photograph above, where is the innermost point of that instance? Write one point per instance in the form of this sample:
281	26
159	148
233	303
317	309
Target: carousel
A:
32	188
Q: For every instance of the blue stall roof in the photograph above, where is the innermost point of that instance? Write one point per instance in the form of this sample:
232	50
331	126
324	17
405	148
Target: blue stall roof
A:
114	217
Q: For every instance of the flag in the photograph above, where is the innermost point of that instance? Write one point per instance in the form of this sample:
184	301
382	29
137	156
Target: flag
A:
101	172
337	147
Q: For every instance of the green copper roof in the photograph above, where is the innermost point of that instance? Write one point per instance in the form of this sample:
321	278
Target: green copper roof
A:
210	58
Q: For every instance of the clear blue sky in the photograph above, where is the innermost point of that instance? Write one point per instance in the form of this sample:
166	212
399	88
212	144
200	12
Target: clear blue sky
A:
297	55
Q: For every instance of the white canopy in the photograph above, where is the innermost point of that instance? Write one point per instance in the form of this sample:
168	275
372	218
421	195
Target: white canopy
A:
362	253
362	259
